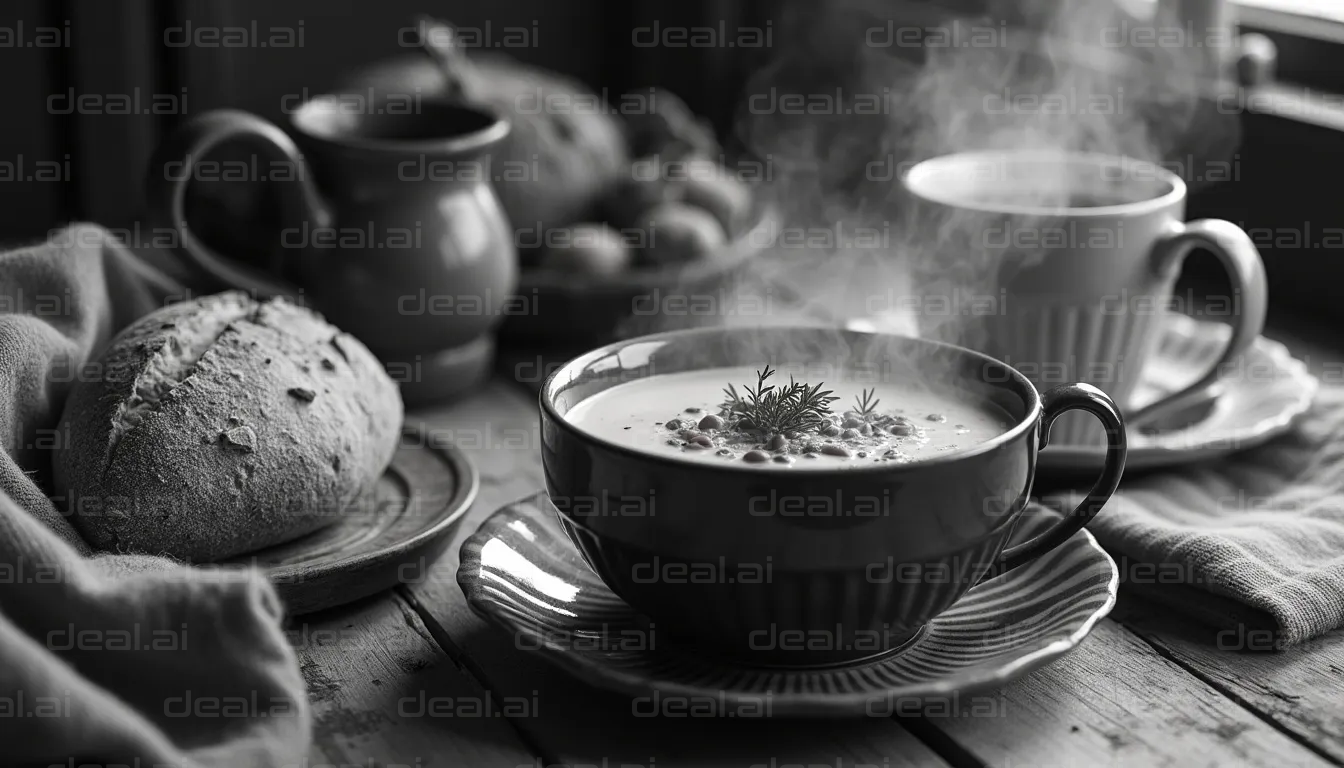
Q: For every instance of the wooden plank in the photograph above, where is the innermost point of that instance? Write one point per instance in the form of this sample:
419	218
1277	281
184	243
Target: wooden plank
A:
327	41
499	429
1300	689
1323	355
113	65
1114	701
383	693
35	169
209	73
578	724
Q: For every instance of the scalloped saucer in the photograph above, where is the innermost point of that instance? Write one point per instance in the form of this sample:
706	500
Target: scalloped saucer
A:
1261	395
520	572
1258	399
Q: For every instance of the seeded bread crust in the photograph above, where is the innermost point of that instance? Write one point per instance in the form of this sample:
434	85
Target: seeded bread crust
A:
223	425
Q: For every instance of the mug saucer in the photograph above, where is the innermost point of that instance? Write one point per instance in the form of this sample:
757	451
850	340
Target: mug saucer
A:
1260	397
520	572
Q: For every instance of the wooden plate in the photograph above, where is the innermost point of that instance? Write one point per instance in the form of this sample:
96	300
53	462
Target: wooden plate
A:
390	537
559	306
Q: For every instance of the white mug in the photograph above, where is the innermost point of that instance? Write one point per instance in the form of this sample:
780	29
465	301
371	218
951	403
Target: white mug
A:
1081	253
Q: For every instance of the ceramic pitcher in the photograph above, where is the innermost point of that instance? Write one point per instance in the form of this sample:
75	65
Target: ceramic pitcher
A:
391	227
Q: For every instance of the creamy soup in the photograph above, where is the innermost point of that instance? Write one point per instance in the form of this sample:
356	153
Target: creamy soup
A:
691	415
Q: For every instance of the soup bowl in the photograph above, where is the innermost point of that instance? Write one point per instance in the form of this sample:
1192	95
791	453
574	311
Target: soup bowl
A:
820	561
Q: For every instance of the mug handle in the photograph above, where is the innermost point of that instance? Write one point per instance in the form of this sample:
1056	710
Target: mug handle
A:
173	166
1239	257
1068	397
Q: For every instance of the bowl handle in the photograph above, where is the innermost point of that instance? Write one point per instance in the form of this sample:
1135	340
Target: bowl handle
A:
174	165
1068	397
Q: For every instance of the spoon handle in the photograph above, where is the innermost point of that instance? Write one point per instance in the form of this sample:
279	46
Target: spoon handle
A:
440	41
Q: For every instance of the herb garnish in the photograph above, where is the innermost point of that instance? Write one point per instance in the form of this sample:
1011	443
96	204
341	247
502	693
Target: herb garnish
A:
795	408
868	404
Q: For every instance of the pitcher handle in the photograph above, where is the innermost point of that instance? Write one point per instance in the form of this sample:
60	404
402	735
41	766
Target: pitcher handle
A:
1068	397
173	166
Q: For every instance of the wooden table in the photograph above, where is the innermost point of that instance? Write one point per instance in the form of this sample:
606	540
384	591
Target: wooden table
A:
1146	688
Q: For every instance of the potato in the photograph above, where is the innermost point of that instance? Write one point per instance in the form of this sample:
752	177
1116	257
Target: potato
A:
625	205
669	127
719	191
679	233
591	249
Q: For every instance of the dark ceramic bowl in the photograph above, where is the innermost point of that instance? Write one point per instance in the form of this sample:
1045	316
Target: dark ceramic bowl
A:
800	566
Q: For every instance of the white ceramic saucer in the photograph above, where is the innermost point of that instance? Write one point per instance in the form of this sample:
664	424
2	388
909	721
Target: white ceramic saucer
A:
1261	395
520	572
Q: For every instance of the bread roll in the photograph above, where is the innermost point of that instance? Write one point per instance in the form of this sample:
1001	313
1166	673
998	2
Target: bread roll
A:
223	425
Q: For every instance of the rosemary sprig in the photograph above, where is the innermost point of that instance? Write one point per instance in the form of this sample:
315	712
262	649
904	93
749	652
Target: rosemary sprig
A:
795	408
732	403
868	404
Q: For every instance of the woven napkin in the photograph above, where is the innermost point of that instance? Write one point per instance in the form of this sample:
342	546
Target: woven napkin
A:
112	658
1249	543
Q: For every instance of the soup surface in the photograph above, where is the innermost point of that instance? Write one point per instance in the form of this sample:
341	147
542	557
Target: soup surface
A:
690	415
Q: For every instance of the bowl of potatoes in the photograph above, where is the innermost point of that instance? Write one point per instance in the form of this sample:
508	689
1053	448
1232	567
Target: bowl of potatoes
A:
674	228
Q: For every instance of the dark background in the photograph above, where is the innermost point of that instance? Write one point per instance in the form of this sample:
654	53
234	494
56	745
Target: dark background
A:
1289	160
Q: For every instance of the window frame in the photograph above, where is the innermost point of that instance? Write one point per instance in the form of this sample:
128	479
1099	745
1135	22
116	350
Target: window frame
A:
1306	45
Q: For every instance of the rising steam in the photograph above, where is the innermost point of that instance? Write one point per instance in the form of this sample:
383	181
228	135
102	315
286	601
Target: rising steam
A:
849	102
